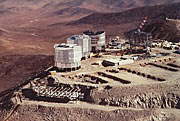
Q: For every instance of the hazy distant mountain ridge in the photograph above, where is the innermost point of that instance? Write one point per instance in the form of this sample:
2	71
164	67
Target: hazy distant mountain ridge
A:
106	5
158	22
41	13
73	11
136	14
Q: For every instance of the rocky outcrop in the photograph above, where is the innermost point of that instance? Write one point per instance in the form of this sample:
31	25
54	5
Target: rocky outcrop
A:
151	100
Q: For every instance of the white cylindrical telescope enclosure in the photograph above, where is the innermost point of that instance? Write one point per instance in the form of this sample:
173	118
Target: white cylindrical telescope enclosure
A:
98	40
67	56
82	40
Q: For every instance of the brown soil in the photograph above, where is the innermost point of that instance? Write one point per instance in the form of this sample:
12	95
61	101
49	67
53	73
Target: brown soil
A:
26	48
18	68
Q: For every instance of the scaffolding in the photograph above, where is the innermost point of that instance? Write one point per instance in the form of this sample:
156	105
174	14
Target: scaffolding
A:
140	40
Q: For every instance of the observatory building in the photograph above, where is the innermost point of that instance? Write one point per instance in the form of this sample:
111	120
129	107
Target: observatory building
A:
97	40
82	40
67	56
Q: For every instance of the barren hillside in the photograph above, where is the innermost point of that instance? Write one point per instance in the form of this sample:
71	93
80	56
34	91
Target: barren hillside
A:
157	20
30	28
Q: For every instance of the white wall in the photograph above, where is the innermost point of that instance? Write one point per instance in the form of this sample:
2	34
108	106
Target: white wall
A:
83	41
68	57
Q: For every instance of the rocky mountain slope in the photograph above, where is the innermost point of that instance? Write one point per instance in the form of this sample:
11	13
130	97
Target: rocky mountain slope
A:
16	68
157	20
136	14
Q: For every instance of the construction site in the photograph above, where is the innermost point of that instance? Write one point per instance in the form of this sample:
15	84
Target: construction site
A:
115	77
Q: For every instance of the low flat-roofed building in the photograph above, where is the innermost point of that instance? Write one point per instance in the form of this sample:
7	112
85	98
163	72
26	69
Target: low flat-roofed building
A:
116	62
